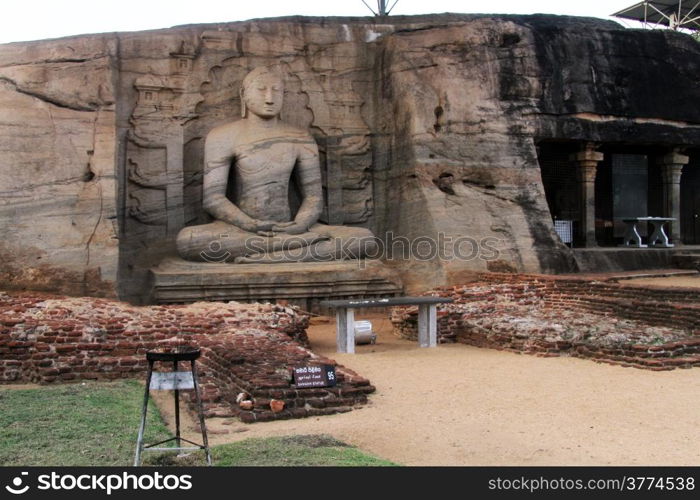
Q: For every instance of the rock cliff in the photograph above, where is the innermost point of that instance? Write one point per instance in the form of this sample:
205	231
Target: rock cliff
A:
428	128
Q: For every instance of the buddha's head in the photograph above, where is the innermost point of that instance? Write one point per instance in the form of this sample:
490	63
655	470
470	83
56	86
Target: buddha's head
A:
262	92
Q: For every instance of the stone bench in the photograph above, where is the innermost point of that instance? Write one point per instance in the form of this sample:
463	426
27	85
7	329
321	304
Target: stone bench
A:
658	236
345	318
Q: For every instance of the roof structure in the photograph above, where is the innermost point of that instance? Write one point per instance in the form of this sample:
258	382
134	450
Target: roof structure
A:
675	14
383	9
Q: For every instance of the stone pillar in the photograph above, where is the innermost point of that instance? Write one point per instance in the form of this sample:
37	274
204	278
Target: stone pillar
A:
671	169
586	163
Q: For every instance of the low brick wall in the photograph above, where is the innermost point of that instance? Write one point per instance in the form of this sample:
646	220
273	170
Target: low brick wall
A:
656	328
249	348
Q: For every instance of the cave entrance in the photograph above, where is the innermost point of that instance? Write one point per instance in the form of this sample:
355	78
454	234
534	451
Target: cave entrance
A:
629	184
560	184
594	190
690	200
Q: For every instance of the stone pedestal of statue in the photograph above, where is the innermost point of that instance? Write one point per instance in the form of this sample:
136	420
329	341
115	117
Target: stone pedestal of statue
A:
301	283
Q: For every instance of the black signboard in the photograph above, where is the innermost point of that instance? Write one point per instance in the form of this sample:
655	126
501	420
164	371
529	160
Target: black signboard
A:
314	376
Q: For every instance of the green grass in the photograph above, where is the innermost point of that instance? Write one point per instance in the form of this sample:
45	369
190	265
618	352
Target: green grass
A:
76	424
287	451
294	451
96	424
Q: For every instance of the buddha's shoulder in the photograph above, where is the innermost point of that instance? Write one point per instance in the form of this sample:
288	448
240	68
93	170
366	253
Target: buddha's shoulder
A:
227	129
294	131
236	131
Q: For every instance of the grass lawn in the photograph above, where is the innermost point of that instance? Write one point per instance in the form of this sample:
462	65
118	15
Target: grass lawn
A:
295	451
96	424
74	424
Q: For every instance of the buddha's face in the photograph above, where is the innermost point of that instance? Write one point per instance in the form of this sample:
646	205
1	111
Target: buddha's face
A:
263	96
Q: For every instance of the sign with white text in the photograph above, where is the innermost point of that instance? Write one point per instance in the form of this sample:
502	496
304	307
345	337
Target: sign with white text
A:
315	376
168	381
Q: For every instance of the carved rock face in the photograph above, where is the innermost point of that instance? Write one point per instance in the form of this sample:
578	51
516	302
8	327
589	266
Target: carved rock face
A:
426	126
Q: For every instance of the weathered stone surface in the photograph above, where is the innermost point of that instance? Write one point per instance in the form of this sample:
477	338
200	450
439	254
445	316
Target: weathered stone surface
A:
57	172
427	126
303	284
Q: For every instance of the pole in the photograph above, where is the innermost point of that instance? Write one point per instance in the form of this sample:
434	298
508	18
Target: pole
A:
202	425
177	408
144	410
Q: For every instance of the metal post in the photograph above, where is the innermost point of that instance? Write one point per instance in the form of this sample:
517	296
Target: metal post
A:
200	410
144	410
177	410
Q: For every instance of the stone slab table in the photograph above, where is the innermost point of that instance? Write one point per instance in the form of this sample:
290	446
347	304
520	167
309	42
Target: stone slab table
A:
345	318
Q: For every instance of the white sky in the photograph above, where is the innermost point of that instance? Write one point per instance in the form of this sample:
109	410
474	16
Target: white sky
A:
38	19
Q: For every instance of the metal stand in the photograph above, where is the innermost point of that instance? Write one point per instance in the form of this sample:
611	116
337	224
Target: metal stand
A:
176	381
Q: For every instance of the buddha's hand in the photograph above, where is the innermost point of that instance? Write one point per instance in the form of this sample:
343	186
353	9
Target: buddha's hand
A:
290	227
263	227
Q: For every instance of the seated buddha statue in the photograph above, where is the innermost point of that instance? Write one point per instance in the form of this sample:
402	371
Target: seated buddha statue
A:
253	219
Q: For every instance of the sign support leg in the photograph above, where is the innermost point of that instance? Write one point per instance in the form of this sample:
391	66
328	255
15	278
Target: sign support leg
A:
177	410
200	410
144	411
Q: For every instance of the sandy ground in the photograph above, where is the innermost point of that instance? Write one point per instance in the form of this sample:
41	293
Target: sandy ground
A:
461	405
673	281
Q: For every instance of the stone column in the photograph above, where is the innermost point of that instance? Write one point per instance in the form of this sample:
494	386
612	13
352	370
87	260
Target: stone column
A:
586	163
671	168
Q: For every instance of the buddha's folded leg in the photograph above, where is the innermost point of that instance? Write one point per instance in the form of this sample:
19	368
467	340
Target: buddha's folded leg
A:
346	242
222	242
341	243
282	248
281	241
214	242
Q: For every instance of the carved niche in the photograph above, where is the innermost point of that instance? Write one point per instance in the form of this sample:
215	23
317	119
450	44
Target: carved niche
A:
198	90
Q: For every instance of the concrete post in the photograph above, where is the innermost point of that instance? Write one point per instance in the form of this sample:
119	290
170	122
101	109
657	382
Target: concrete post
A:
586	163
671	168
427	325
345	329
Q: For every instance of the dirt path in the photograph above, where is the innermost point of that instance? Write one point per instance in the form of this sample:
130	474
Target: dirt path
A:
460	405
673	281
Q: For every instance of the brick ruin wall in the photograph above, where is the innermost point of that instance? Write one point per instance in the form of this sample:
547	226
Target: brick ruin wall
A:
246	348
652	327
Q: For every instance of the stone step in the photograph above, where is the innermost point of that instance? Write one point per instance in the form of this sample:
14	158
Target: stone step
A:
687	261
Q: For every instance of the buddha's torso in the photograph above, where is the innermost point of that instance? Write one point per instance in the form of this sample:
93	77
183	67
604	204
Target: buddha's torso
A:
261	170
